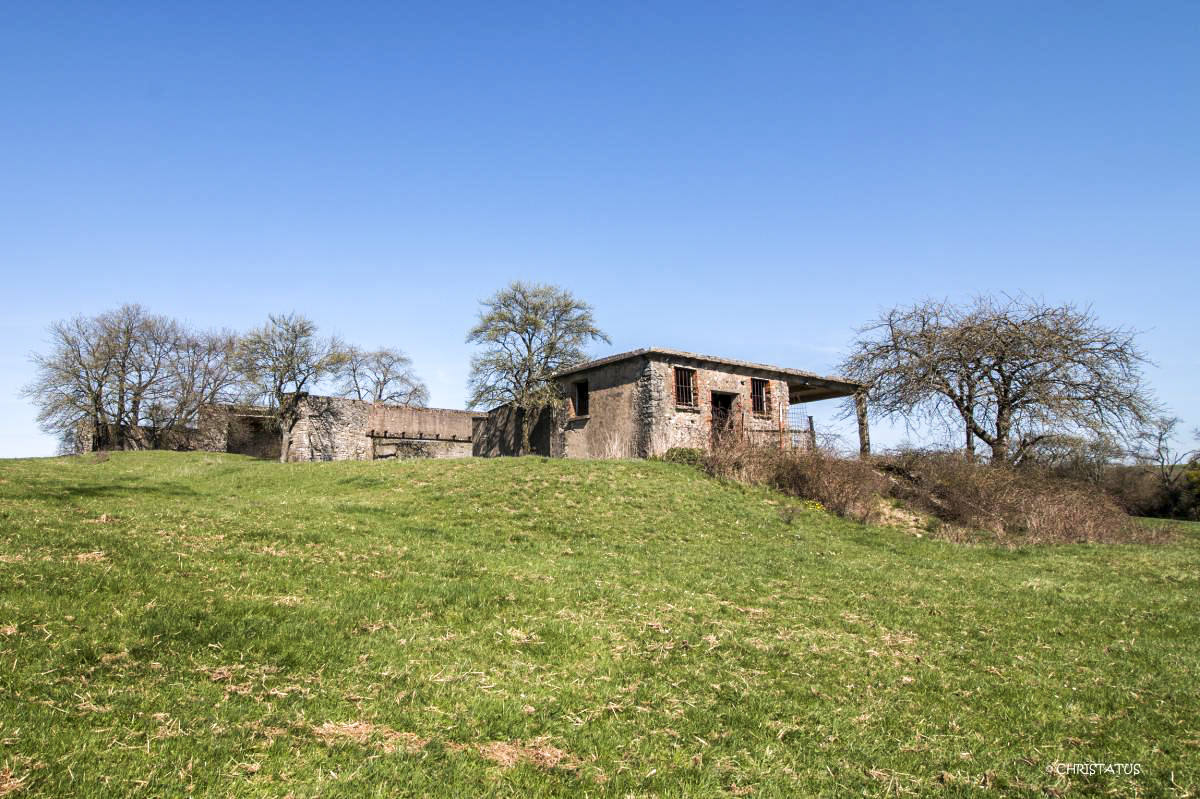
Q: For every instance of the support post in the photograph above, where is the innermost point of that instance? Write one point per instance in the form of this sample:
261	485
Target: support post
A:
812	435
864	433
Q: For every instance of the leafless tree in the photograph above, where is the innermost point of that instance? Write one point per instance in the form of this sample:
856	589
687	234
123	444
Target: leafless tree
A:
528	332
1158	450
127	377
383	375
281	361
1009	372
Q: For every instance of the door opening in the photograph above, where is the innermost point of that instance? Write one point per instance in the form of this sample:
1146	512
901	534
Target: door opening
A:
722	414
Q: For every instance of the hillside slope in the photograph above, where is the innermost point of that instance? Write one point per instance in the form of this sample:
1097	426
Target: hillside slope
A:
210	625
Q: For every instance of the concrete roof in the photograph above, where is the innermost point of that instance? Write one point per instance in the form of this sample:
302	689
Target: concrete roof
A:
802	386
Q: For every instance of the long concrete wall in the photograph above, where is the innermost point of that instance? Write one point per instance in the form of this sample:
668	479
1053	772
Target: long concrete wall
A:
334	428
424	423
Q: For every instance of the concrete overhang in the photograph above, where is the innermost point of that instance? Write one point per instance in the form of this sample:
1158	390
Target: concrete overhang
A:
802	386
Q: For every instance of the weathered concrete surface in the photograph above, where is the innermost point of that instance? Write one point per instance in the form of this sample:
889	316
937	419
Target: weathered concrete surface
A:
422	423
611	427
333	428
402	448
238	429
499	432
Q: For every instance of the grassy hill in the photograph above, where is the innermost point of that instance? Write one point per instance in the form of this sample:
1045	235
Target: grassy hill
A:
208	625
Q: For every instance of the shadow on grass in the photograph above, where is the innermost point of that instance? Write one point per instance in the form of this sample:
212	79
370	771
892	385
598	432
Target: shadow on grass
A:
128	487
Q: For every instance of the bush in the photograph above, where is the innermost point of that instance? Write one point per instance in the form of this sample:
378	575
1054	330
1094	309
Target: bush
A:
965	501
688	456
843	486
1014	505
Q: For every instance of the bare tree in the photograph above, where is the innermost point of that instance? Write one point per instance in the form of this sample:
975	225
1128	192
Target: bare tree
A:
200	373
1009	372
1157	449
126	377
281	361
383	375
528	332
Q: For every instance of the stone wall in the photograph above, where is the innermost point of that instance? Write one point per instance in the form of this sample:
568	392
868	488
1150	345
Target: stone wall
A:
143	437
611	429
333	428
499	432
671	425
401	448
242	430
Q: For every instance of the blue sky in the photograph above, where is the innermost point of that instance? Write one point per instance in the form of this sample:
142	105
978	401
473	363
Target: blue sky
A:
753	180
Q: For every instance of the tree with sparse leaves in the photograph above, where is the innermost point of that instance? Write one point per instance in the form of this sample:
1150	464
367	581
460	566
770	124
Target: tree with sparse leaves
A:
383	375
528	332
128	378
1008	372
282	361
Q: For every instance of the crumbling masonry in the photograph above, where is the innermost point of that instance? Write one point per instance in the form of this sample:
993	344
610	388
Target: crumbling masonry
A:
632	405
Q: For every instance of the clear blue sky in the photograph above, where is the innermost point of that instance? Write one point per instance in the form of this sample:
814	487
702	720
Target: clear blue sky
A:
751	180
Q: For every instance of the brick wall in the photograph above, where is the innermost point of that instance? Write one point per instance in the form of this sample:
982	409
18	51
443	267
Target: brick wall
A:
671	425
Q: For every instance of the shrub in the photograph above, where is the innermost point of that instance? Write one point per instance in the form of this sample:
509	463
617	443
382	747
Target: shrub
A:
1014	505
843	486
688	456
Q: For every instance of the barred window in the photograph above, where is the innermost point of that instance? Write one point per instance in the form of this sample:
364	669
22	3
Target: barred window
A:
759	396
685	386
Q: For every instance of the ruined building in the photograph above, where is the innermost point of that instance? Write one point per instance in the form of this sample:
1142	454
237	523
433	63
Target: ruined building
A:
632	405
645	402
335	429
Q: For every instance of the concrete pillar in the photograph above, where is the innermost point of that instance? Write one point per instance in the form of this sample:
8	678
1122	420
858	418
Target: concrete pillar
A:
864	433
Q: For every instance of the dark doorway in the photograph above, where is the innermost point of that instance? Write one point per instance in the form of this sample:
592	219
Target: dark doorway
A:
722	414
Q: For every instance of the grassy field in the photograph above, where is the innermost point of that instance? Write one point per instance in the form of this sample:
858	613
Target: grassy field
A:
209	625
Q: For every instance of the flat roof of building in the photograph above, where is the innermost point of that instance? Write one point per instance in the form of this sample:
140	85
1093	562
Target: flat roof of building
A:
802	386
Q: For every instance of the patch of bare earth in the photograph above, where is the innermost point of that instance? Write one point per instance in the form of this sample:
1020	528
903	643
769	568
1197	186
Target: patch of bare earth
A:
364	733
888	515
90	557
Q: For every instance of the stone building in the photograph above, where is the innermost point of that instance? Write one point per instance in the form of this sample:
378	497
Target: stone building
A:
645	402
632	405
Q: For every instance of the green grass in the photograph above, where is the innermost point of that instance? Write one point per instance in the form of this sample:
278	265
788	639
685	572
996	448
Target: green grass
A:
531	627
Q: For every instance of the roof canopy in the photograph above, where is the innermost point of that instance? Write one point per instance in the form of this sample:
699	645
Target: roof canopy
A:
802	386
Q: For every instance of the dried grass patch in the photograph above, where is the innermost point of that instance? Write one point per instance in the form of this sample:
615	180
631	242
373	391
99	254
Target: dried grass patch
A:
536	752
11	558
91	557
10	783
364	733
522	637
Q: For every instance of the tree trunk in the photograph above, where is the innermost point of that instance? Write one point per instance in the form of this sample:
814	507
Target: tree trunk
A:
970	447
527	422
